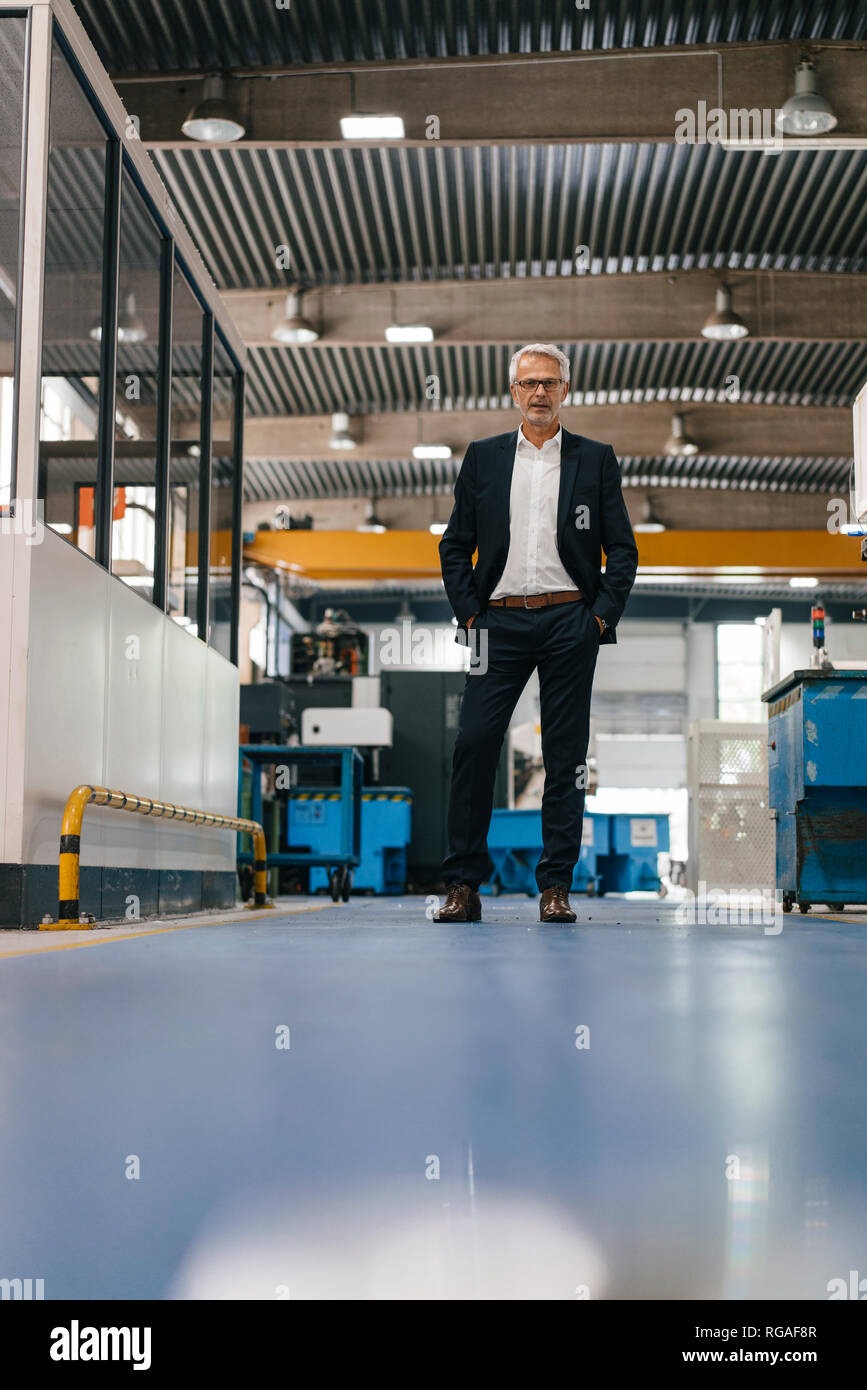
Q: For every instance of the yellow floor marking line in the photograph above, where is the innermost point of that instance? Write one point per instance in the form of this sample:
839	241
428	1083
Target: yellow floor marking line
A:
158	931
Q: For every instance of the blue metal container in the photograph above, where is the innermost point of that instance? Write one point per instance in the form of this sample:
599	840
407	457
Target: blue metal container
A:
817	773
631	864
345	853
386	829
515	845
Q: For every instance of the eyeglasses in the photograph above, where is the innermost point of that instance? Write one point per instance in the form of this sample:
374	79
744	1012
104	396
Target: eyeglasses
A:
532	384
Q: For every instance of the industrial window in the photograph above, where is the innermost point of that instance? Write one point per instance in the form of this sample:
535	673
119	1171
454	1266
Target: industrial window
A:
134	518
188	323
72	311
739	671
13	31
141	398
223	498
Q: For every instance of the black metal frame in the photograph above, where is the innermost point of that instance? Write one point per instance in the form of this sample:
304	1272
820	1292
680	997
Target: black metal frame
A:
237	508
203	585
103	506
164	425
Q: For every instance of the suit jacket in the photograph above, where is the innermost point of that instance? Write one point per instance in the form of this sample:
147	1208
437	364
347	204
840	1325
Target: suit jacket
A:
589	481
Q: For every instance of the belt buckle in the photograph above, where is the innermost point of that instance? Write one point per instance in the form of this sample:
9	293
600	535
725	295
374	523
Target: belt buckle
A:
525	597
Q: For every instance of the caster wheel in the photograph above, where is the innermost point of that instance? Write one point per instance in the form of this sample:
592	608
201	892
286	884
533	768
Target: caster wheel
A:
837	907
803	907
334	885
346	885
788	902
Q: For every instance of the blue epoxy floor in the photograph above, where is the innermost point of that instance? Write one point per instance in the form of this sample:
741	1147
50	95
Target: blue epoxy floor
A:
709	1142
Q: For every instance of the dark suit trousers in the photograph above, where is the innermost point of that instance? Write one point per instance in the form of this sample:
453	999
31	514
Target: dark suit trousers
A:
506	644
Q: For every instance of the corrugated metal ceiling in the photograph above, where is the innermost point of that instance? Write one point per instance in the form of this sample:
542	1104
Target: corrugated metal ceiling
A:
379	215
265	480
389	215
362	380
172	34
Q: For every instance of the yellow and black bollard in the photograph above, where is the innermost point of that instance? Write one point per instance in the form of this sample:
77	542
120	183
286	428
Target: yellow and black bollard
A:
69	916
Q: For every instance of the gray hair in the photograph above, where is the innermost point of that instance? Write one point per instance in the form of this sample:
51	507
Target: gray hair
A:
544	349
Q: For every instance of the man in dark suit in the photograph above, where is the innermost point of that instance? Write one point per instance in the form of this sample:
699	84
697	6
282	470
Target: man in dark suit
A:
540	504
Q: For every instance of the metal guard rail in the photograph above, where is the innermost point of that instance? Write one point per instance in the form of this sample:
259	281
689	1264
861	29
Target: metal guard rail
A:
68	912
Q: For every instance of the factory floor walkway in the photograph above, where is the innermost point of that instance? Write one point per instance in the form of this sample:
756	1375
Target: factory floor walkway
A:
349	1101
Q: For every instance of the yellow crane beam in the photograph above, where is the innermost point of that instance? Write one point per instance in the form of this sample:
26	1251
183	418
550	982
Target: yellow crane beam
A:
359	555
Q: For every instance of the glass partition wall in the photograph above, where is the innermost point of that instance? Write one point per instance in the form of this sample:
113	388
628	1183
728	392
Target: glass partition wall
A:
13	40
141	374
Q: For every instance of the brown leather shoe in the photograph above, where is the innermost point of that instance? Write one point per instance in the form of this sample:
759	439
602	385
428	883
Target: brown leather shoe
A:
554	905
463	904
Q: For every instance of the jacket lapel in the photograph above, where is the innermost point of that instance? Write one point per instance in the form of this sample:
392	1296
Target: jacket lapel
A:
505	469
570	453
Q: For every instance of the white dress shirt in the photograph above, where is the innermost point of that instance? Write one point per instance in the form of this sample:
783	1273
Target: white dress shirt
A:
533	565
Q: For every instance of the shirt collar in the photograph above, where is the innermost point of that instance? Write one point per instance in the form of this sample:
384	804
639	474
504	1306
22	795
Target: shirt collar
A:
556	439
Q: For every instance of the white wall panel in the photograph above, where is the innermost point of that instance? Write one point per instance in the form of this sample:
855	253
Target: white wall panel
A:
222	714
66	694
162	724
131	759
15	561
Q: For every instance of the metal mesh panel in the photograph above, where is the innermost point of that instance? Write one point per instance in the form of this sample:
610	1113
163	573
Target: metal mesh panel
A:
732	835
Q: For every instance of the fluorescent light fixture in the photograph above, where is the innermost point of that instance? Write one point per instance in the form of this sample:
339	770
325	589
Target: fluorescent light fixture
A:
372	127
724	325
854	528
807	112
294	327
678	444
341	435
62	528
803	581
409	333
432	451
213	119
438	528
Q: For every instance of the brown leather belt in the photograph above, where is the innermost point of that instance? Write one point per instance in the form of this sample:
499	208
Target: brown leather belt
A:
537	600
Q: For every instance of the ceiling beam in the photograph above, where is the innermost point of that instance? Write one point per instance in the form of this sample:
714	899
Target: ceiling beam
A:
650	306
729	430
641	307
358	555
551	98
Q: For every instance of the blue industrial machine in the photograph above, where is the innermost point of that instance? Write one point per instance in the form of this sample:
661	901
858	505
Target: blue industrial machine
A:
515	844
631	863
817	769
314	820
